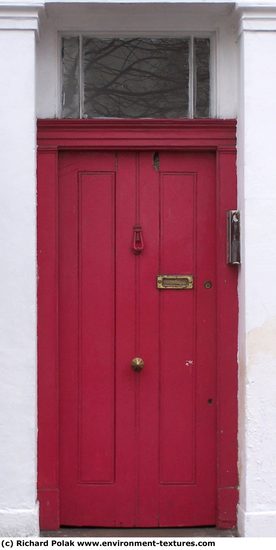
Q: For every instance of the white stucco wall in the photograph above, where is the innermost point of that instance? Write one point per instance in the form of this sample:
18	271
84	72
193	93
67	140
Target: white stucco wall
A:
18	508
255	104
126	19
257	337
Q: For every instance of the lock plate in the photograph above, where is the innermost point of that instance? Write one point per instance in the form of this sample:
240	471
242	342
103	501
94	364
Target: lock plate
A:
176	282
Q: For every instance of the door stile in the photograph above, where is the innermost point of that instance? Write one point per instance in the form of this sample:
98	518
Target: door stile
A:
48	344
227	346
125	332
150	345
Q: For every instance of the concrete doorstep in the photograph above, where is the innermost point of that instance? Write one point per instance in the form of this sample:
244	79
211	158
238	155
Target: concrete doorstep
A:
174	532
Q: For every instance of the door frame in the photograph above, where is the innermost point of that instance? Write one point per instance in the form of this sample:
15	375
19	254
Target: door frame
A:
218	136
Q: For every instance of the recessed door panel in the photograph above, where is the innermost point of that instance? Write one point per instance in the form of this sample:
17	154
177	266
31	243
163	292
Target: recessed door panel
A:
137	447
177	228
96	292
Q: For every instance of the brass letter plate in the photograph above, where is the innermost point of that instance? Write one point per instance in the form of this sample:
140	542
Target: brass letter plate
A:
177	282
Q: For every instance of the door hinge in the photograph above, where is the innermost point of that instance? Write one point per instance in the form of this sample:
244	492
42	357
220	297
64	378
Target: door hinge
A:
155	161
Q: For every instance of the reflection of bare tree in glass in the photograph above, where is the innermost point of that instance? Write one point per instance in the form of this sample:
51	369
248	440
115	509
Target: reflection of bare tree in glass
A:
70	77
136	77
202	76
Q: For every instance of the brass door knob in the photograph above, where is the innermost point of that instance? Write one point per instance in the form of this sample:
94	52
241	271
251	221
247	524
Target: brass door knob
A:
137	364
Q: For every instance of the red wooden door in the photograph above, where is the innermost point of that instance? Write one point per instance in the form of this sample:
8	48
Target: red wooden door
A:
137	448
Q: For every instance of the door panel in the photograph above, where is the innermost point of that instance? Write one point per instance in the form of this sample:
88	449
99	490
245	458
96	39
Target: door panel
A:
137	448
177	324
91	476
187	336
96	340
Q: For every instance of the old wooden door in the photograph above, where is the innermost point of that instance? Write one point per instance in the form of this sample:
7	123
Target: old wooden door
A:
137	447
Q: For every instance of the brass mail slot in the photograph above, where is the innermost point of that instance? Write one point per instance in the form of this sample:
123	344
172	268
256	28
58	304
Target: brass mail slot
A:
178	282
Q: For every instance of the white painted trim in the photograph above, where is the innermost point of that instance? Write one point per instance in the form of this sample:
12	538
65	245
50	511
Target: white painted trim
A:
256	19
23	523
81	77
59	100
256	524
188	2
137	19
191	77
29	5
214	37
14	17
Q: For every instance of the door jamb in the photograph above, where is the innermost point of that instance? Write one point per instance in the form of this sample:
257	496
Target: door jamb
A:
54	136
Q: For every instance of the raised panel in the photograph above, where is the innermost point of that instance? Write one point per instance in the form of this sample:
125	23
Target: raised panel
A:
177	318
96	327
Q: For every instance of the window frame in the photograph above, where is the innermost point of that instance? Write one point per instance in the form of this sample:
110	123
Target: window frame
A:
145	34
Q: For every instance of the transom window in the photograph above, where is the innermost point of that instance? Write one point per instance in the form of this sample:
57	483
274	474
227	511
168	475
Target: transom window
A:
135	77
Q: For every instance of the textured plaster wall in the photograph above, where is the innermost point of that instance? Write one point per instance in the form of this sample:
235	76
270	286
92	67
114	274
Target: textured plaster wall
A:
18	511
257	348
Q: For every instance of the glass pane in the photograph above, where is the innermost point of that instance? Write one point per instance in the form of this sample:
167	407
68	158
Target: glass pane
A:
70	78
202	77
136	77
